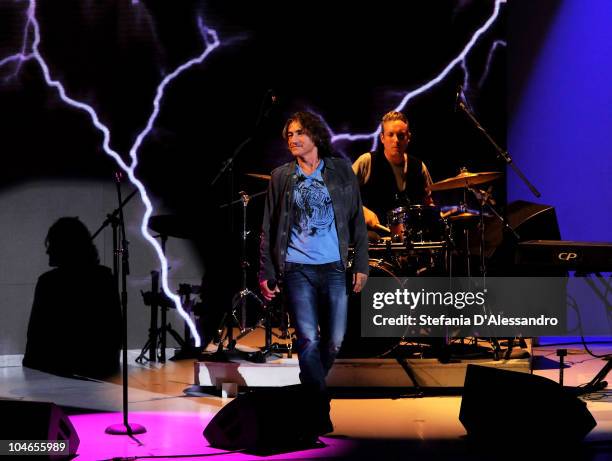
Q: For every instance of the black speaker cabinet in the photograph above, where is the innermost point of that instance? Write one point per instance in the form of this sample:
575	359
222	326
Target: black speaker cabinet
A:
531	221
498	403
257	421
20	420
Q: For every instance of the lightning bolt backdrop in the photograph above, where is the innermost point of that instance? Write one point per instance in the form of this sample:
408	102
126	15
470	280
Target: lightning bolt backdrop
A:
179	85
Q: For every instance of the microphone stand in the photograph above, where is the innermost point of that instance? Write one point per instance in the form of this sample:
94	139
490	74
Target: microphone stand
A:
121	253
110	219
229	162
484	198
501	153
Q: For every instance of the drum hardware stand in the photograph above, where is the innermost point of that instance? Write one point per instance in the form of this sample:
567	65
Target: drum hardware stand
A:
390	254
230	318
268	102
466	232
187	349
157	335
152	300
272	348
450	247
485	199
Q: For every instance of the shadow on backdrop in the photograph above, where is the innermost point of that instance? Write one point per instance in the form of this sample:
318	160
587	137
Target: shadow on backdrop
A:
75	323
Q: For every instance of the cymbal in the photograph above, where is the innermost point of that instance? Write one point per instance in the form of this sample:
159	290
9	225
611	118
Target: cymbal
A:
172	226
467	215
465	179
259	176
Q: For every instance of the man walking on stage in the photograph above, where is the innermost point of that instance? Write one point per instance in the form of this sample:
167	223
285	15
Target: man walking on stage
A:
313	212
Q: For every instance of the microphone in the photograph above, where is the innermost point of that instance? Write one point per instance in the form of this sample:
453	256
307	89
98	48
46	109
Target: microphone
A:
458	97
272	285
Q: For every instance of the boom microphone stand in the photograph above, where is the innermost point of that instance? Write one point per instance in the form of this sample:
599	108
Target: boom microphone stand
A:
501	153
120	253
484	197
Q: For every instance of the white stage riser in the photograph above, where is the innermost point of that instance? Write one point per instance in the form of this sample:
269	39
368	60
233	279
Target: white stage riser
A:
348	372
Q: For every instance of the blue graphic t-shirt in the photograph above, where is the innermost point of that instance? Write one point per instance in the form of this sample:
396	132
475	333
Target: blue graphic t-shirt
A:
314	239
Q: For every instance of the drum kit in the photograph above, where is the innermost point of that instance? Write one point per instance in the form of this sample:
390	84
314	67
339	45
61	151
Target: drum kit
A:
422	240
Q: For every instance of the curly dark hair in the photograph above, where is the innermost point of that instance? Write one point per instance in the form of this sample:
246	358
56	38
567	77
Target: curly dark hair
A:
315	128
69	244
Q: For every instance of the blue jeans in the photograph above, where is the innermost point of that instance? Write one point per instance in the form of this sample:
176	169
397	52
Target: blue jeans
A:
317	297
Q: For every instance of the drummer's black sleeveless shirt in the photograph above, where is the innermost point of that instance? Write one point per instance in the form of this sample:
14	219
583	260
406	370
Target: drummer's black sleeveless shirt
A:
380	194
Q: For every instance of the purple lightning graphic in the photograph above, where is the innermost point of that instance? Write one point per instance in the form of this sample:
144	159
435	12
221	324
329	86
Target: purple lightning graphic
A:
487	68
496	44
22	56
211	41
459	59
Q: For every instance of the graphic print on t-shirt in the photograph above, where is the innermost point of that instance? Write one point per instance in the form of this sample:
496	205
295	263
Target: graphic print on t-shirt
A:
313	210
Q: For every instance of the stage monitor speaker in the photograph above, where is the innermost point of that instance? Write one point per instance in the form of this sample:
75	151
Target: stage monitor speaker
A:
497	402
21	420
257	421
531	221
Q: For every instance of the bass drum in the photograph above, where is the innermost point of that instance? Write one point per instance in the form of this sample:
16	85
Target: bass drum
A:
354	345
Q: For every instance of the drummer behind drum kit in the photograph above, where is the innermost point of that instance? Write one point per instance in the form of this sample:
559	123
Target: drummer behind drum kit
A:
423	240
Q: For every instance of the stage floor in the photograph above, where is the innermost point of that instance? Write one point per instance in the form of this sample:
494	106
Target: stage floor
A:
367	426
421	366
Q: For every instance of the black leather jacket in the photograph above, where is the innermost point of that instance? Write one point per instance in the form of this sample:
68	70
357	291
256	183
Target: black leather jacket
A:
343	189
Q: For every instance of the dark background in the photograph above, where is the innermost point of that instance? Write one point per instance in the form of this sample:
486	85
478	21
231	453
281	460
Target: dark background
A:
349	62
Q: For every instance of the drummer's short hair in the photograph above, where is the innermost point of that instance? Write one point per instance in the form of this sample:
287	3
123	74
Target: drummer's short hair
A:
393	116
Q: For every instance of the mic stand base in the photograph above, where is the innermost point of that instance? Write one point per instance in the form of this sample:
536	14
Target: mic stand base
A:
122	429
597	383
